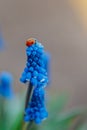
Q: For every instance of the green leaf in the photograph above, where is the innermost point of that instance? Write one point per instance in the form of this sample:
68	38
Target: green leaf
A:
58	119
56	105
14	113
83	126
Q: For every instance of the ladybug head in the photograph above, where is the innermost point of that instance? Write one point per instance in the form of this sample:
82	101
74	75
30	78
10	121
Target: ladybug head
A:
30	41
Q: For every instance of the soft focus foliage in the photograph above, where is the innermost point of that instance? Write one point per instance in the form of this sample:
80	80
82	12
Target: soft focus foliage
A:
11	115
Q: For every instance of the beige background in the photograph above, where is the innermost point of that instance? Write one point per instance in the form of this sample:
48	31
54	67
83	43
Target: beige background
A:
56	25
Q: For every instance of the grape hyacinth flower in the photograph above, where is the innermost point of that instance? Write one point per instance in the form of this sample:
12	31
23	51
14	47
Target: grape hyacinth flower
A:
6	85
35	73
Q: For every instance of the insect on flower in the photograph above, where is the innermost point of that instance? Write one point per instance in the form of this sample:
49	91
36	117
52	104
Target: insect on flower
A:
30	42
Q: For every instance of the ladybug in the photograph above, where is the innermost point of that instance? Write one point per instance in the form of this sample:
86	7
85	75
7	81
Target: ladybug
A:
30	41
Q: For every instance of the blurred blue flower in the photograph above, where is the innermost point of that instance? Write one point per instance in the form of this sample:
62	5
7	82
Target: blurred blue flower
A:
36	110
1	41
6	84
47	60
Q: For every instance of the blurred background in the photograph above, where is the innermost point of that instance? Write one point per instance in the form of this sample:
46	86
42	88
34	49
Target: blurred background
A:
62	28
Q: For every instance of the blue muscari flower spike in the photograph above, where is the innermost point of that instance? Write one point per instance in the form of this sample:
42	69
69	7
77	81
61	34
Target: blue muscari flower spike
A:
35	72
36	110
6	85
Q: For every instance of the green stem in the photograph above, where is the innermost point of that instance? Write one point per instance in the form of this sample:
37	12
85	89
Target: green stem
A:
29	126
28	95
28	99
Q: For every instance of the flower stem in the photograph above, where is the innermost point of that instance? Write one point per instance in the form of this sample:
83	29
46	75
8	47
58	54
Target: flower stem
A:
28	95
28	99
29	125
